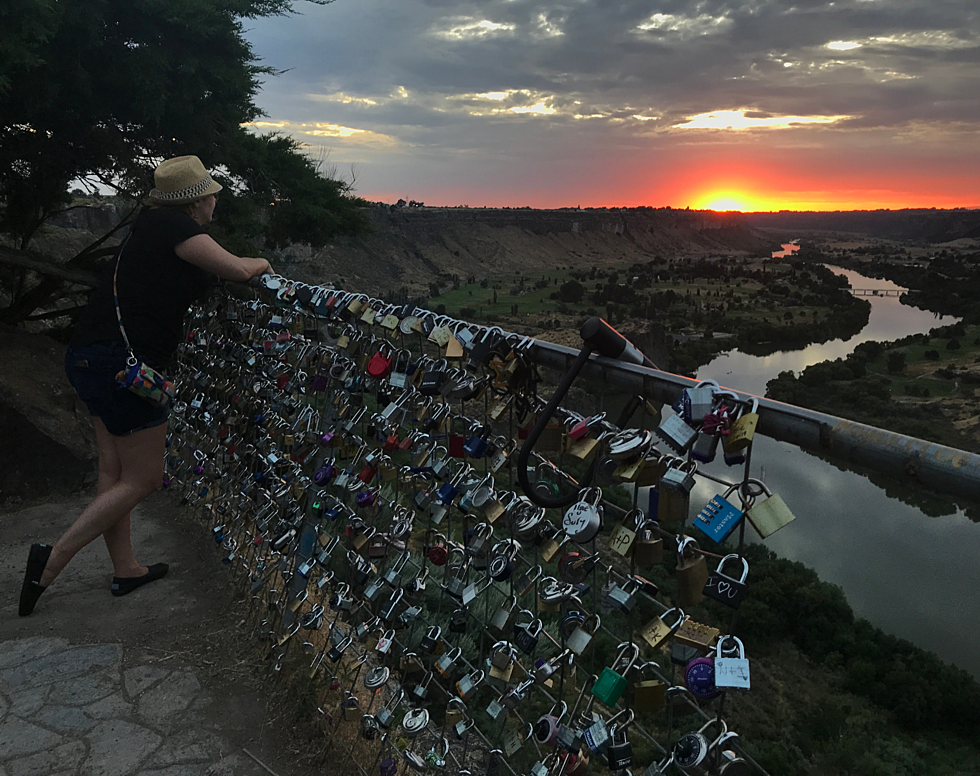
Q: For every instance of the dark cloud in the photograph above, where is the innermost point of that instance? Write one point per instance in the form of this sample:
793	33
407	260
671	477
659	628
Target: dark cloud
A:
518	80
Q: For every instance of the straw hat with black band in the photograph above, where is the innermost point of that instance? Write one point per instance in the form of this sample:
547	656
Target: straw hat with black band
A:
181	180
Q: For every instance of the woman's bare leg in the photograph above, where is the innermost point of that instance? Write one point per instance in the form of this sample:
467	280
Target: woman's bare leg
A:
140	458
117	537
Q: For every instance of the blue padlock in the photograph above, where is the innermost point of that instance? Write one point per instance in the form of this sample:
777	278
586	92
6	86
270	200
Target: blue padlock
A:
448	490
476	445
719	517
654	507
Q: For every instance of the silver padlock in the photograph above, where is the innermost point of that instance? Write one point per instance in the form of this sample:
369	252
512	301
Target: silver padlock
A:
583	519
677	434
469	684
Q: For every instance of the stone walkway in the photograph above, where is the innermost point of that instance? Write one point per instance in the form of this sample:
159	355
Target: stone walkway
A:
76	710
150	684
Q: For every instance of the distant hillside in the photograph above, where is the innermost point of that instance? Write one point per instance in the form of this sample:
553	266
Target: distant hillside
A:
921	226
413	247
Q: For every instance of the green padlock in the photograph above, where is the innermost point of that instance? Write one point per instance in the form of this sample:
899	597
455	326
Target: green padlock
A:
611	683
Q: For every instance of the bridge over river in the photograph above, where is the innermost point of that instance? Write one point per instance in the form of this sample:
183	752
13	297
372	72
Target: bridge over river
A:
877	291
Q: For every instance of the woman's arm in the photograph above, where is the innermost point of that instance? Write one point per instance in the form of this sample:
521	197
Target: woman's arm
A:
202	251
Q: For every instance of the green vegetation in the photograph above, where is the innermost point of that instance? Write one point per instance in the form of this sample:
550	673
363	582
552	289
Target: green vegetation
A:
95	94
704	305
893	385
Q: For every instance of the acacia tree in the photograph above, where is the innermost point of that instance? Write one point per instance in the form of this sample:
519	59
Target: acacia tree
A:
103	89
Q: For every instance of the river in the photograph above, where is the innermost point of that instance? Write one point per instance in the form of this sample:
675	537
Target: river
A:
913	575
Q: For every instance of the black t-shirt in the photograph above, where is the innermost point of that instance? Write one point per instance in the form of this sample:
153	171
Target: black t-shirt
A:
155	285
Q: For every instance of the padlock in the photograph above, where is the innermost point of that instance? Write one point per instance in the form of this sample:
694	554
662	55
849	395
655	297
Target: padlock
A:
649	694
459	620
648	548
551	594
444	665
337	650
377	677
575	567
742	432
476	445
545	669
553	539
438	552
719	517
677	434
699	678
526	634
501	618
580	638
386	641
502	658
766	516
546	728
503	555
679	476
724	588
436	758
659	629
692	752
477	543
421	690
496	709
612	681
583	519
433	378
471	591
455	711
469	685
431	639
731	665
694	403
691	572
696	635
619	751
597	736
386	714
623	597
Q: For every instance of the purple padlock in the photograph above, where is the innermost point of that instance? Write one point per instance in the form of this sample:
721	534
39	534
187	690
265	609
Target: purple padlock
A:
326	439
389	766
325	473
699	676
319	382
365	498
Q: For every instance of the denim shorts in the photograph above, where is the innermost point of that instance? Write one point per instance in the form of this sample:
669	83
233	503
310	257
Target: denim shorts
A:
91	370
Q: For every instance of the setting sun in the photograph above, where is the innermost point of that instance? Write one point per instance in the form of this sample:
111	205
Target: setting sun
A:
727	200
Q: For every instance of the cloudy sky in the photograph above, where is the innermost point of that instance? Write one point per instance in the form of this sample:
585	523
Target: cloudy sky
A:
752	104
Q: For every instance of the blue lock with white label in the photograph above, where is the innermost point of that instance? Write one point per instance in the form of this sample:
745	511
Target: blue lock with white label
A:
719	517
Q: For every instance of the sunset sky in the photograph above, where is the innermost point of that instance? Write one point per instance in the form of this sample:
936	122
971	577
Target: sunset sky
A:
751	105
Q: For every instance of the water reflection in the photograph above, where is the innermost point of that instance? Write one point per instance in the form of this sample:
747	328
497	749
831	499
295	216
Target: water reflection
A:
890	320
911	575
908	573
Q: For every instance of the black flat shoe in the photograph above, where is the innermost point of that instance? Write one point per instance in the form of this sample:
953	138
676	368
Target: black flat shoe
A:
31	590
126	585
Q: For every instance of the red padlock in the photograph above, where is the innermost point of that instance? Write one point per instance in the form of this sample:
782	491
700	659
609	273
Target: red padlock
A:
379	366
455	445
391	443
367	474
438	552
282	381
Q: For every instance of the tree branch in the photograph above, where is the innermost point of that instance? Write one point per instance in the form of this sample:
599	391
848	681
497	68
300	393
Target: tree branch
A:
17	259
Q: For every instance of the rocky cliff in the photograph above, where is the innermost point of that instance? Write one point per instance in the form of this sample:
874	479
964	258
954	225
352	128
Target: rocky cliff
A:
412	247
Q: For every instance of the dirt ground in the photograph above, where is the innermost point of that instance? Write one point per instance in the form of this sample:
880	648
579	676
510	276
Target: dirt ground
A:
189	621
